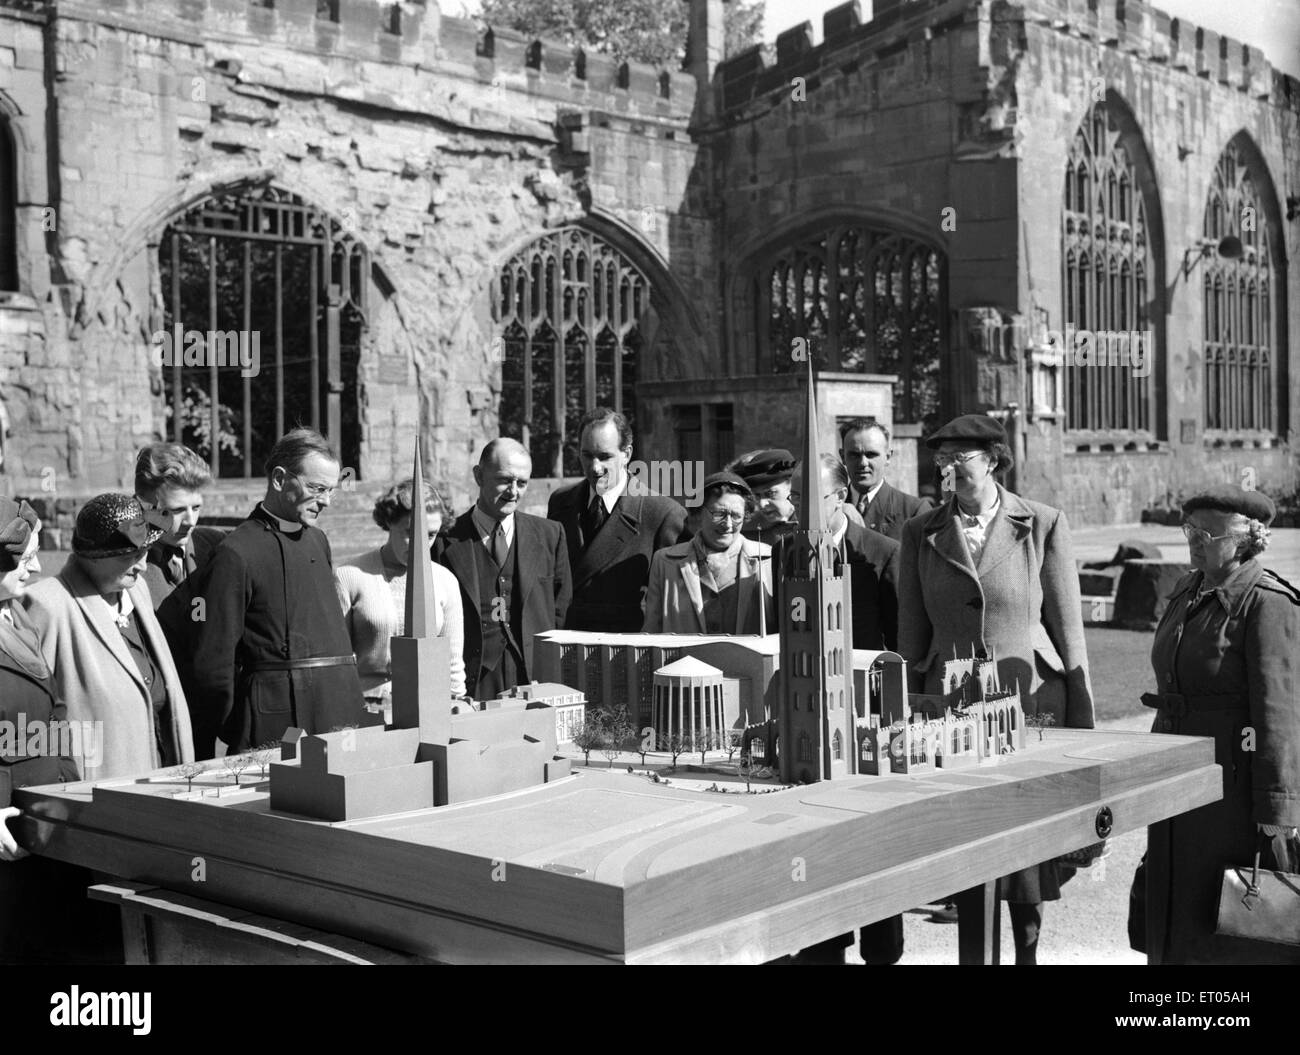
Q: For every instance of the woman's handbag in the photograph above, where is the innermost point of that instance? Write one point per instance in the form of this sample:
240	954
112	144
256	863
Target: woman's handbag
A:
1137	908
1260	904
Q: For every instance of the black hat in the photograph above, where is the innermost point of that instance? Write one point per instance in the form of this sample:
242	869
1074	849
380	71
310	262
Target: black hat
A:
111	525
726	478
969	428
1229	498
764	468
17	522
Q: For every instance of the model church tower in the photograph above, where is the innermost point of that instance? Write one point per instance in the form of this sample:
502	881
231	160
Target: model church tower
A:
815	619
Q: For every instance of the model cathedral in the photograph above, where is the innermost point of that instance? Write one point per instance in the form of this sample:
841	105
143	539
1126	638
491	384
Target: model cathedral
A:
441	751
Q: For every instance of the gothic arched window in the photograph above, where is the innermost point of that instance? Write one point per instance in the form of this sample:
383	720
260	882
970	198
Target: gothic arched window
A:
865	300
1240	306
268	296
8	209
837	747
805	748
570	308
1107	288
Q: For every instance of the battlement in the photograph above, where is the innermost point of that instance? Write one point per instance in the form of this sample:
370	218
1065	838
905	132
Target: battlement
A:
412	33
1132	26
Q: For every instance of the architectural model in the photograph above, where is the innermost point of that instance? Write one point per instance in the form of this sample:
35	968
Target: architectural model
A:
438	752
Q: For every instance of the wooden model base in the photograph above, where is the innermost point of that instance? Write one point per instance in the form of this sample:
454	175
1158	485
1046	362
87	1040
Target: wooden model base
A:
606	867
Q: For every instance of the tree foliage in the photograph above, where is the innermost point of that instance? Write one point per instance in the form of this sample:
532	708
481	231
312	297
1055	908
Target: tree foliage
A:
650	31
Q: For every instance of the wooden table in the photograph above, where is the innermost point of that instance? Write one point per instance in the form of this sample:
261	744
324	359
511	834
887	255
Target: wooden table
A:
608	867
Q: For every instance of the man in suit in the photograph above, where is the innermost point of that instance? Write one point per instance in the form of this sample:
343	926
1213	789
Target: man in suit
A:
270	647
169	482
611	533
867	454
513	571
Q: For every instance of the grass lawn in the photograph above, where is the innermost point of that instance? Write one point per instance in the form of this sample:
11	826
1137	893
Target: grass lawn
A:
1120	664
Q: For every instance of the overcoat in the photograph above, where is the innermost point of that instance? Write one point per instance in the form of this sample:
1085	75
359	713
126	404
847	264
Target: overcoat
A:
268	598
610	572
891	509
1226	668
873	563
98	680
157	576
45	916
1020	605
542	588
675	605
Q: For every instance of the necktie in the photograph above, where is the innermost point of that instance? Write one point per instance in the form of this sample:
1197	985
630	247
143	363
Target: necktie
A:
863	502
595	519
176	566
499	548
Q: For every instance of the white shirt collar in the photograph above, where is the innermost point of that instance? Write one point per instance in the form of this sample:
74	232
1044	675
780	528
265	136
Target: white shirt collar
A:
289	527
837	536
486	526
611	496
984	519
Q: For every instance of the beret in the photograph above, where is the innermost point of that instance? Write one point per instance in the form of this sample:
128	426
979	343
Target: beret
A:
972	428
113	525
1229	498
762	468
726	478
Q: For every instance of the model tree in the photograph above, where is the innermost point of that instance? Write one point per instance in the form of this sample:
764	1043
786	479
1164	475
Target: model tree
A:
1040	722
734	736
618	728
674	743
236	764
590	736
263	756
703	741
188	771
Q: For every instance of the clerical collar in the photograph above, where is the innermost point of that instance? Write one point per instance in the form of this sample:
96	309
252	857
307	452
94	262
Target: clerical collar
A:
289	527
611	496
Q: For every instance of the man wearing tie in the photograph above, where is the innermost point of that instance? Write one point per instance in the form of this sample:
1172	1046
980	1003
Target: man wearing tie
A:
611	534
169	481
513	571
867	453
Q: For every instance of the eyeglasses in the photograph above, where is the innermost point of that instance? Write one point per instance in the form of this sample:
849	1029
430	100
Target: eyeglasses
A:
1195	534
315	490
944	460
721	516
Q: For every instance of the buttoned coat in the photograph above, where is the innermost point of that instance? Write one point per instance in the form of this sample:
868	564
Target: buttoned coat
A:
891	509
611	572
674	603
542	587
1233	660
1020	605
98	680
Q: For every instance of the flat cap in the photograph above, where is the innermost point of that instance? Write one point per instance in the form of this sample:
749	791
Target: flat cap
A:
1229	498
112	525
726	478
969	428
764	468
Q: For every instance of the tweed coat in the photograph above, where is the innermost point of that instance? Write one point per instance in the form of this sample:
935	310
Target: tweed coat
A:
610	572
96	677
891	509
675	605
542	587
1224	666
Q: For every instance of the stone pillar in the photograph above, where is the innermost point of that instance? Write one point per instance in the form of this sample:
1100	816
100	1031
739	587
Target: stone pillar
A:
704	51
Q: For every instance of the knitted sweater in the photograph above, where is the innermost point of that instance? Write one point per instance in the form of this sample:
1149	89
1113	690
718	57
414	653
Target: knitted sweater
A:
374	607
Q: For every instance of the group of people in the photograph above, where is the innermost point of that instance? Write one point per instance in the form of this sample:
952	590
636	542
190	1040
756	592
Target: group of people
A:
174	638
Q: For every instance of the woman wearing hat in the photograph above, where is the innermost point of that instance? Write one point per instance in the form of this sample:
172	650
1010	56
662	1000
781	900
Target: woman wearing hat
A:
992	573
1226	666
103	643
719	582
45	916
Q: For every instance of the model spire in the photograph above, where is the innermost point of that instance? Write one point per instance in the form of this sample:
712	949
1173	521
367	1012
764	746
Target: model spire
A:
810	515
419	572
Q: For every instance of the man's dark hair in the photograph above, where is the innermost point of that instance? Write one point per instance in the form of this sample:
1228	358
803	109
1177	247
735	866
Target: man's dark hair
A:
292	449
600	415
862	425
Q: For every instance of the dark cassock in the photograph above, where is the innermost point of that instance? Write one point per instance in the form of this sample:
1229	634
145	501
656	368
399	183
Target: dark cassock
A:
271	649
887	509
514	583
611	539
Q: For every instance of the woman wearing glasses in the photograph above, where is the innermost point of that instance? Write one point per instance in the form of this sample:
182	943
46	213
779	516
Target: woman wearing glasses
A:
1226	665
719	582
992	573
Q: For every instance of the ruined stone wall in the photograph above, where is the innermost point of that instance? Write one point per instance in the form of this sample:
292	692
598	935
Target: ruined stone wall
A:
442	148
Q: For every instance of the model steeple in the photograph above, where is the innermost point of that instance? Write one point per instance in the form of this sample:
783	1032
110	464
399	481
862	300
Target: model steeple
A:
419	572
810	512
